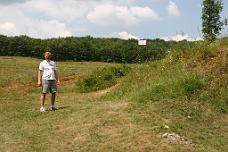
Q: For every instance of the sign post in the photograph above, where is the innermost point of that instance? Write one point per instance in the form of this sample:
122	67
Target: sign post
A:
142	42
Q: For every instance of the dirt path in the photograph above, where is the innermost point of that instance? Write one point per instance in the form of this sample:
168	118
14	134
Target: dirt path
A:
71	79
102	92
26	87
65	81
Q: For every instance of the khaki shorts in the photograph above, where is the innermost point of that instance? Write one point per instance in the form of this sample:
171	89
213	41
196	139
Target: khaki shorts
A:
49	86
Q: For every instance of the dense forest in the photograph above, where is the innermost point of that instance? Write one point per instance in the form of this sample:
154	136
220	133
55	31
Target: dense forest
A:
87	48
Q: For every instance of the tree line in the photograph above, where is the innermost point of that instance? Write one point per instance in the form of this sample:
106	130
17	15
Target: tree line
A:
111	49
87	48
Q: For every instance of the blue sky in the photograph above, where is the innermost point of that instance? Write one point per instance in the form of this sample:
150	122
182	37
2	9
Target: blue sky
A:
167	19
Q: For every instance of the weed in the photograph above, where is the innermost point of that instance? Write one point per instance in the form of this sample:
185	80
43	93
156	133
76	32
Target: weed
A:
101	78
191	84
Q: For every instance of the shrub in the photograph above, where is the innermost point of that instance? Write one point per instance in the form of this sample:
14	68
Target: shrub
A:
191	85
101	78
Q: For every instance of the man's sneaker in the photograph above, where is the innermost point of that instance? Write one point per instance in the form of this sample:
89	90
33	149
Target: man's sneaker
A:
42	109
53	108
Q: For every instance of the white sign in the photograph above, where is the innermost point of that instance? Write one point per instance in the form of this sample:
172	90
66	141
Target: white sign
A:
142	42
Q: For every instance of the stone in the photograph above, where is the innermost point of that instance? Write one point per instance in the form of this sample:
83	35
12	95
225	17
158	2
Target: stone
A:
175	138
166	127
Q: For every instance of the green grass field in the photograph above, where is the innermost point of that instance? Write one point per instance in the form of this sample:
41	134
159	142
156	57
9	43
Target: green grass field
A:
187	91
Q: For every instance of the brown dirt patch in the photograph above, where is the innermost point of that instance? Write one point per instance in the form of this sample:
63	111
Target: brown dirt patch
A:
102	92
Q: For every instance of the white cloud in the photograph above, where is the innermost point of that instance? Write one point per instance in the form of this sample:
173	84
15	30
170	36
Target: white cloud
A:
66	11
181	37
126	36
14	22
123	35
144	13
44	18
7	26
47	29
173	9
53	18
118	15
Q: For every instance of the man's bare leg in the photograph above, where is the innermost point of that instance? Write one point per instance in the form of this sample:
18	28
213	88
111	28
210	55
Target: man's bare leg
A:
53	107
42	99
53	95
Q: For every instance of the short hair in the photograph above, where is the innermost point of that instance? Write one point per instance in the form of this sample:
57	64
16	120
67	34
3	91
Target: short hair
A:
47	52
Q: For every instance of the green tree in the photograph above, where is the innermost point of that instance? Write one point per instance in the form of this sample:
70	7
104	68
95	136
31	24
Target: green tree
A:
211	19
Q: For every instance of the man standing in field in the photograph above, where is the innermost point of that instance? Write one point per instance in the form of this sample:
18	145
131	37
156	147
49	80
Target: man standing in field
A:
48	79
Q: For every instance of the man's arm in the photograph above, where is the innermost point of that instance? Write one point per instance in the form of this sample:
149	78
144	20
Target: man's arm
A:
40	73
57	77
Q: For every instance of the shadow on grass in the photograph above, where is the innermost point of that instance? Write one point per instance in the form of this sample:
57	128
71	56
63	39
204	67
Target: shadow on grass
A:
59	108
63	107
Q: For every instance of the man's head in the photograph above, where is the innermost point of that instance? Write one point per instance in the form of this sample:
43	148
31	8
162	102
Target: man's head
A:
47	55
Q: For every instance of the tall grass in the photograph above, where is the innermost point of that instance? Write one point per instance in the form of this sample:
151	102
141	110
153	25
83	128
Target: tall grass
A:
102	78
180	76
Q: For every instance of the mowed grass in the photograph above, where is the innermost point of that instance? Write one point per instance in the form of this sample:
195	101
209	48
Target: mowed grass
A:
24	128
19	72
84	122
187	92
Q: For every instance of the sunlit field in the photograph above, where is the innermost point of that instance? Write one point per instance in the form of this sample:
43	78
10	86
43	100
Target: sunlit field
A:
185	94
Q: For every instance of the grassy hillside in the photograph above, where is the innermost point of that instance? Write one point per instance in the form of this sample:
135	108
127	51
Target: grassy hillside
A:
185	93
